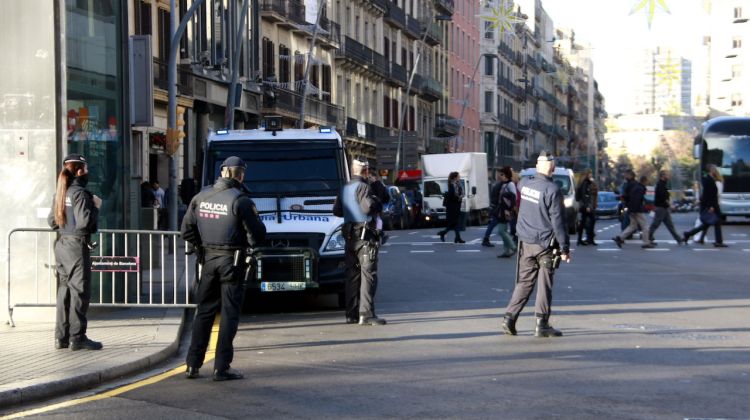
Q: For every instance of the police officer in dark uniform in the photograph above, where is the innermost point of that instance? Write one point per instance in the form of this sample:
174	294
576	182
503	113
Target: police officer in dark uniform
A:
222	224
74	214
359	201
544	242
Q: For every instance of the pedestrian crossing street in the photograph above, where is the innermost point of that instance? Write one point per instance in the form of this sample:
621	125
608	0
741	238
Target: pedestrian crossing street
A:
426	241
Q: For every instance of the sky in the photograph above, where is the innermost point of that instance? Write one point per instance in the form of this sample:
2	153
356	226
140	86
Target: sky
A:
617	37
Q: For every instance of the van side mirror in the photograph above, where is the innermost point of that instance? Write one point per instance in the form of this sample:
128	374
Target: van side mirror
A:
473	190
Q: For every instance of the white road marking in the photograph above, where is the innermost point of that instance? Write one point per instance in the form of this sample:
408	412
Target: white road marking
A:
422	243
704	249
658	249
421	252
608	249
413	233
746	250
738	234
468	250
382	252
392	236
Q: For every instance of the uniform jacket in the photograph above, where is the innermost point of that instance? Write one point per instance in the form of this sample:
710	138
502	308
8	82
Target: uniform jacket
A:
80	212
369	204
541	215
661	194
223	217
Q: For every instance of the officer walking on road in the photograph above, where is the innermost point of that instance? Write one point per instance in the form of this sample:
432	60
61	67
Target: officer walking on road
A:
357	203
75	215
223	225
544	242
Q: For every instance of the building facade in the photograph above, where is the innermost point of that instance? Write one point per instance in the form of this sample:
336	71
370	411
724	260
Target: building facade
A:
665	85
728	43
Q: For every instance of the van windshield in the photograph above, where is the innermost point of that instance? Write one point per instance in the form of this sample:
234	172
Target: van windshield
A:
284	167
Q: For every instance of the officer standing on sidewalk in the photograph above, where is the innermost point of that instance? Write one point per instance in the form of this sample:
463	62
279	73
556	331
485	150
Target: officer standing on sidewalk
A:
544	242
358	203
221	223
75	215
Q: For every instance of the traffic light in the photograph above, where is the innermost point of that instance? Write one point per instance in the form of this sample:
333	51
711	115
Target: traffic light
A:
175	136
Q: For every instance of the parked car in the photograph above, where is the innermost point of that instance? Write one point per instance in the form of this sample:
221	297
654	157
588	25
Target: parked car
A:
607	204
397	212
563	177
415	199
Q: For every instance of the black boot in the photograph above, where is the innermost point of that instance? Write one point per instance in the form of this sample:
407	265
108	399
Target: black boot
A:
486	242
543	329
459	240
441	234
509	324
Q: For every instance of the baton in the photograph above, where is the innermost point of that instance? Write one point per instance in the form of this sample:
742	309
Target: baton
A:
518	258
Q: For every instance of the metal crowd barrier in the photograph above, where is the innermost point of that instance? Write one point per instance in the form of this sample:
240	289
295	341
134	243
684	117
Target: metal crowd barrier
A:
126	270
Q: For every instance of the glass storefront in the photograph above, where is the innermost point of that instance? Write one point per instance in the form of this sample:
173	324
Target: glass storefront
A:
94	109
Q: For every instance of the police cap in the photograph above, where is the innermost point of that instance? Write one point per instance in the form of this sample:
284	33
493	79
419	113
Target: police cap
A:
233	162
74	158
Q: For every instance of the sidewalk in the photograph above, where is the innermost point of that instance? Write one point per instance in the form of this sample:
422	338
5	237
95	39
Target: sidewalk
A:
134	340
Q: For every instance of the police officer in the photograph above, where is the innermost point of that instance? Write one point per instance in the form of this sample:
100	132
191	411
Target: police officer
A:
74	214
544	242
221	223
358	203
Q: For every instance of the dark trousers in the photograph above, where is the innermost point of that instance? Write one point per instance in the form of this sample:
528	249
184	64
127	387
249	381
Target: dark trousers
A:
74	287
588	220
361	274
531	270
221	288
452	224
703	228
662	214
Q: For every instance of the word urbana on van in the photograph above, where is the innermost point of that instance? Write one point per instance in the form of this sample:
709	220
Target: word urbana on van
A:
295	217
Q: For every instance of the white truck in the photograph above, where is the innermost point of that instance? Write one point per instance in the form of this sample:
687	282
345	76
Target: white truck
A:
473	170
293	176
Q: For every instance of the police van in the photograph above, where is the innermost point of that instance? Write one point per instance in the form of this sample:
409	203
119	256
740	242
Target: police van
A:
293	176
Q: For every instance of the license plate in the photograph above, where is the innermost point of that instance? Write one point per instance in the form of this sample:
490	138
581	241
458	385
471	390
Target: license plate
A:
279	286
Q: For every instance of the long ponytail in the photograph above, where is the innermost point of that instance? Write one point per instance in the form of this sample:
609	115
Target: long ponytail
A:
64	179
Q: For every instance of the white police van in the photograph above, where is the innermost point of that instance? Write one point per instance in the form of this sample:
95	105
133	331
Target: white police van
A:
293	176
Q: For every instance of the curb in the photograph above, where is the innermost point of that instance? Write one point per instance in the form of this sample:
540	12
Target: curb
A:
77	383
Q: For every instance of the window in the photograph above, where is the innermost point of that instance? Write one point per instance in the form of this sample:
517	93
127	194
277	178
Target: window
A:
142	12
736	71
736	99
488	101
313	76
268	59
386	47
489	32
326	93
299	66
489	145
488	70
386	111
164	37
285	63
394	109
412	127
736	42
738	13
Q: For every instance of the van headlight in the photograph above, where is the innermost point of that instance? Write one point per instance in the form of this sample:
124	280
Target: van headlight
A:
568	202
336	242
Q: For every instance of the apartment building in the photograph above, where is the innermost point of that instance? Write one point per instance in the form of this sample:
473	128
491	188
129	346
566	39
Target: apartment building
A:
665	83
729	44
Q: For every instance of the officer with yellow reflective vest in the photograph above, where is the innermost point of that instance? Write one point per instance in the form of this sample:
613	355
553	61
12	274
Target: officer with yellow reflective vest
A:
543	243
222	223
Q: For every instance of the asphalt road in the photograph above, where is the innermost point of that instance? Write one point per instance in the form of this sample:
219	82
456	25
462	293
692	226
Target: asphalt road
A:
652	334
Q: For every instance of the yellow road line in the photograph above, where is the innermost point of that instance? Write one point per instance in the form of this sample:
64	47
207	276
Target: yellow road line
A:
210	354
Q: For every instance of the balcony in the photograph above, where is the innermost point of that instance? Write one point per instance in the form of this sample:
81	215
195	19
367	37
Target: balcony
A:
395	16
447	126
397	75
380	4
434	33
531	62
444	7
363	57
508	122
286	12
509	87
332	34
413	27
428	88
318	112
561	132
184	78
506	51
